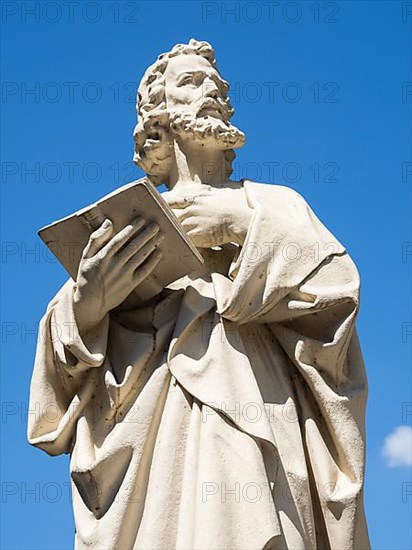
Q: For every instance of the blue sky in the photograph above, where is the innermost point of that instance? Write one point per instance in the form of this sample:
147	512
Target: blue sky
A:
321	91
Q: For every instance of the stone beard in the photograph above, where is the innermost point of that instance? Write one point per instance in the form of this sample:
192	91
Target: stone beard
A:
153	399
207	130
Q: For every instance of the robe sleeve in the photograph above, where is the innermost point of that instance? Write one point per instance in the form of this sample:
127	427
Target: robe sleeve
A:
293	275
285	243
64	374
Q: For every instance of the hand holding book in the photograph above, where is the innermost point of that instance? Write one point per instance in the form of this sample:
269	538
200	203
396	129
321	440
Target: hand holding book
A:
112	266
82	236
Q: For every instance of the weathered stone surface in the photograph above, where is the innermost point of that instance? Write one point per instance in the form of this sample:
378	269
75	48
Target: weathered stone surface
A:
227	411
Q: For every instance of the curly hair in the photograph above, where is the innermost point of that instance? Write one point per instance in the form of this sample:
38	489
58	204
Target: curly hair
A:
152	136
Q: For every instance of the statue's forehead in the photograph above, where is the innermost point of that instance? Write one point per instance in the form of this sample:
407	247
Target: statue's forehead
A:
187	63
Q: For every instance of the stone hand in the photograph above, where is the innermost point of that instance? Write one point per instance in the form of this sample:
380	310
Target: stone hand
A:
112	266
212	216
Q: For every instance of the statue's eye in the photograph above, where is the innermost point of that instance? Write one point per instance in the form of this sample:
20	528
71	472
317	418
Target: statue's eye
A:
188	79
194	79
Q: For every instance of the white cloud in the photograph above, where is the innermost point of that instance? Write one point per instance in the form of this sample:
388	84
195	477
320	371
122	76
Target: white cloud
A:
398	447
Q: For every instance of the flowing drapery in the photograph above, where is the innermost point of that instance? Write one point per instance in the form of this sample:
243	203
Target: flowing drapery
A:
228	413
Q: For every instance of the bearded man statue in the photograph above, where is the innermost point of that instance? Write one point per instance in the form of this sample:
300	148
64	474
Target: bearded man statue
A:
227	411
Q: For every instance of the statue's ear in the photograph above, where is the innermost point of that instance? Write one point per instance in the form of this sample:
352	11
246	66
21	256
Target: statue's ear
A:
152	154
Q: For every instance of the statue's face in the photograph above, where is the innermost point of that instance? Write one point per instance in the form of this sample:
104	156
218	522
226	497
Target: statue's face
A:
195	89
199	113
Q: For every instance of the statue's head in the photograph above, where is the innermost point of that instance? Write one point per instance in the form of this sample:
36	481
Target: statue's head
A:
182	96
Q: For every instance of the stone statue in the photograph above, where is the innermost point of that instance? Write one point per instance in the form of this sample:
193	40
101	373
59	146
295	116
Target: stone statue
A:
226	412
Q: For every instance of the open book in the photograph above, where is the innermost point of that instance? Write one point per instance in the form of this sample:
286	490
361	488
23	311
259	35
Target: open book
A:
67	237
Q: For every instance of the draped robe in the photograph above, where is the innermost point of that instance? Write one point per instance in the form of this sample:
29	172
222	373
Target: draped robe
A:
225	413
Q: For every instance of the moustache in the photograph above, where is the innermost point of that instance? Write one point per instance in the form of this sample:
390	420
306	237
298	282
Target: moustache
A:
213	107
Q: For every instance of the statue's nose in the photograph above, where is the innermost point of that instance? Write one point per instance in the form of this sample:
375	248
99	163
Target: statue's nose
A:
210	88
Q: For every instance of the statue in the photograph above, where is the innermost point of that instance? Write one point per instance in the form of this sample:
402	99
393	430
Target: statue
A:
227	411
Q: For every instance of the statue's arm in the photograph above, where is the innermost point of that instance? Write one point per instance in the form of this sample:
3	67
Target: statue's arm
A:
335	283
284	247
73	333
294	276
63	373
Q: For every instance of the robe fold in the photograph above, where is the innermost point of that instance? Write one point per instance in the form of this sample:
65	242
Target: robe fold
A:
225	413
